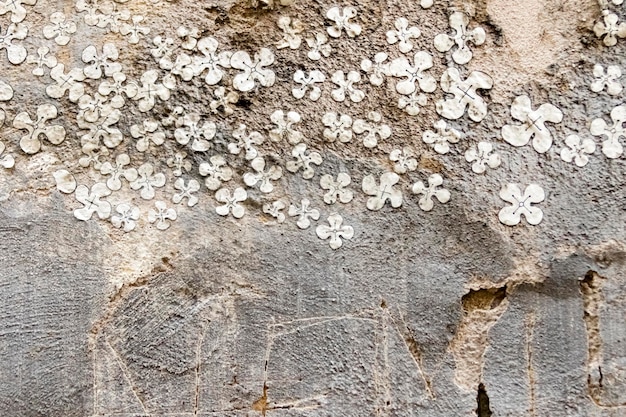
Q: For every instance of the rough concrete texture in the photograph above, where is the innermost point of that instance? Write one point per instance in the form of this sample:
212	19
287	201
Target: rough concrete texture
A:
441	312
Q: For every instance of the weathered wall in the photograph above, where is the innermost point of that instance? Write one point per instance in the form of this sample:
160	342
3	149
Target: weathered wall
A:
431	298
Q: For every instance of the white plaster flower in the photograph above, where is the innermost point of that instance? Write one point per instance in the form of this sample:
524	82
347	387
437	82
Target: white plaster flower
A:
285	127
102	129
319	47
15	53
163	52
577	150
275	210
245	142
342	22
91	108
31	142
521	204
91	9
93	152
134	30
414	73
224	100
441	137
608	79
376	69
411	104
306	82
60	29
211	61
403	35
189	129
373	127
611	147
533	124
186	190
112	18
101	63
162	215
382	192
482	157
253	70
426	201
91	200
304	213
42	59
16	8
6	161
149	90
126	217
117	86
303	159
462	36
148	132
291	32
338	127
335	232
610	29
189	36
345	83
178	163
216	171
70	82
231	202
65	181
404	160
147	181
118	171
261	176
336	189
465	95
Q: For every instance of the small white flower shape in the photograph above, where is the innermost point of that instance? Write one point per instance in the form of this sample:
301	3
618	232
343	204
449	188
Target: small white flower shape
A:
303	159
134	30
91	201
532	124
118	171
178	163
262	177
164	51
335	232
304	213
186	191
93	152
18	12
482	157
189	36
373	127
216	171
342	22
465	95
231	203
336	189
117	87
246	142
307	82
411	103
441	137
426	201
285	127
147	181
291	29
126	217
458	22
148	132
521	204
31	143
274	210
404	160
611	147
149	90
41	60
345	85
382	192
161	215
610	29
338	127
6	161
190	129
112	17
60	30
224	100
211	61
608	79
376	69
92	108
403	35
577	150
102	129
253	71
101	63
66	82
15	53
319	47
414	73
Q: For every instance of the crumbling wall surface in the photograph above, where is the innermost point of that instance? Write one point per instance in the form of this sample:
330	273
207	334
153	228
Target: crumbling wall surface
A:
250	208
